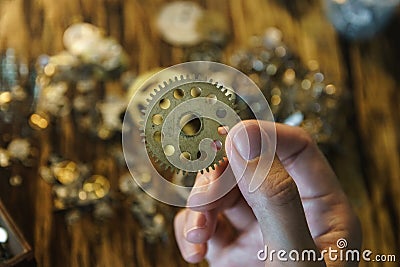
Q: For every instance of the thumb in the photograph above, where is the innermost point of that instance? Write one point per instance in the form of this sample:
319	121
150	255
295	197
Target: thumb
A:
276	202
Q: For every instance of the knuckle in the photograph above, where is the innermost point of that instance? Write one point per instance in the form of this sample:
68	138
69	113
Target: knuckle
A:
304	136
280	188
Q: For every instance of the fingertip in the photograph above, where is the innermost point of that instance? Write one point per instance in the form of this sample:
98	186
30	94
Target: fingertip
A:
192	253
196	256
199	226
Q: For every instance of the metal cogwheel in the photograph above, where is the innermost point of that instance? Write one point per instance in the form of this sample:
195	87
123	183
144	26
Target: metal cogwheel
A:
176	136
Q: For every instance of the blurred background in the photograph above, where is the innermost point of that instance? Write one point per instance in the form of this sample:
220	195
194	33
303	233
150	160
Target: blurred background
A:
68	69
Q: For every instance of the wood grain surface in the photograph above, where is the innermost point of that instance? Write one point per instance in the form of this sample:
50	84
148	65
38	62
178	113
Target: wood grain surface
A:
367	161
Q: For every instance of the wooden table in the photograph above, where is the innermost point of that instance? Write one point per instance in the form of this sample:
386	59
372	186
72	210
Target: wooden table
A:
367	163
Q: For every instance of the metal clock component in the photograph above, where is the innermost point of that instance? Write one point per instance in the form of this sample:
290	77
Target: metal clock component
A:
182	123
177	23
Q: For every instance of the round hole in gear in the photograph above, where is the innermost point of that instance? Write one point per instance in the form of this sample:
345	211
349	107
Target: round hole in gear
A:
185	155
169	150
201	155
157	119
190	124
212	99
165	103
195	91
179	93
157	136
221	113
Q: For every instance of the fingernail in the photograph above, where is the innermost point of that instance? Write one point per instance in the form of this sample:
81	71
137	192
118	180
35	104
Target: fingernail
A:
193	257
195	221
248	141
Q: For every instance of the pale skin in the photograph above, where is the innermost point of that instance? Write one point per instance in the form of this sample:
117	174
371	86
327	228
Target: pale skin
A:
300	205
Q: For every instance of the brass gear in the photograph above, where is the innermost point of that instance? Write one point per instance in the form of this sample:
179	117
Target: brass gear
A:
193	127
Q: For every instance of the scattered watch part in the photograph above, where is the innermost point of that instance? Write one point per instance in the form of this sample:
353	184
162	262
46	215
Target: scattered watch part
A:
79	38
298	93
96	187
177	23
127	184
5	99
57	67
3	235
69	82
4	158
54	101
15	180
111	109
66	172
19	148
107	53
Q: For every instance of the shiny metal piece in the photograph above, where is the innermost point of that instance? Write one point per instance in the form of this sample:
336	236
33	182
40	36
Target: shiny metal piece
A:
96	187
177	23
81	37
19	148
3	235
15	180
66	172
298	93
194	128
4	158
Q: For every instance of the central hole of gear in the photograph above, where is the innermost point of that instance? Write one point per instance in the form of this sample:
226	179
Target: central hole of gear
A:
190	124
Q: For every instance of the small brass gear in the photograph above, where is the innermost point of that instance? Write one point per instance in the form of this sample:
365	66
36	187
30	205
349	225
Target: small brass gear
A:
194	128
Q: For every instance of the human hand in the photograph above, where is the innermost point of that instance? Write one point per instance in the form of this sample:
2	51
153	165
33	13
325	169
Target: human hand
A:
299	206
